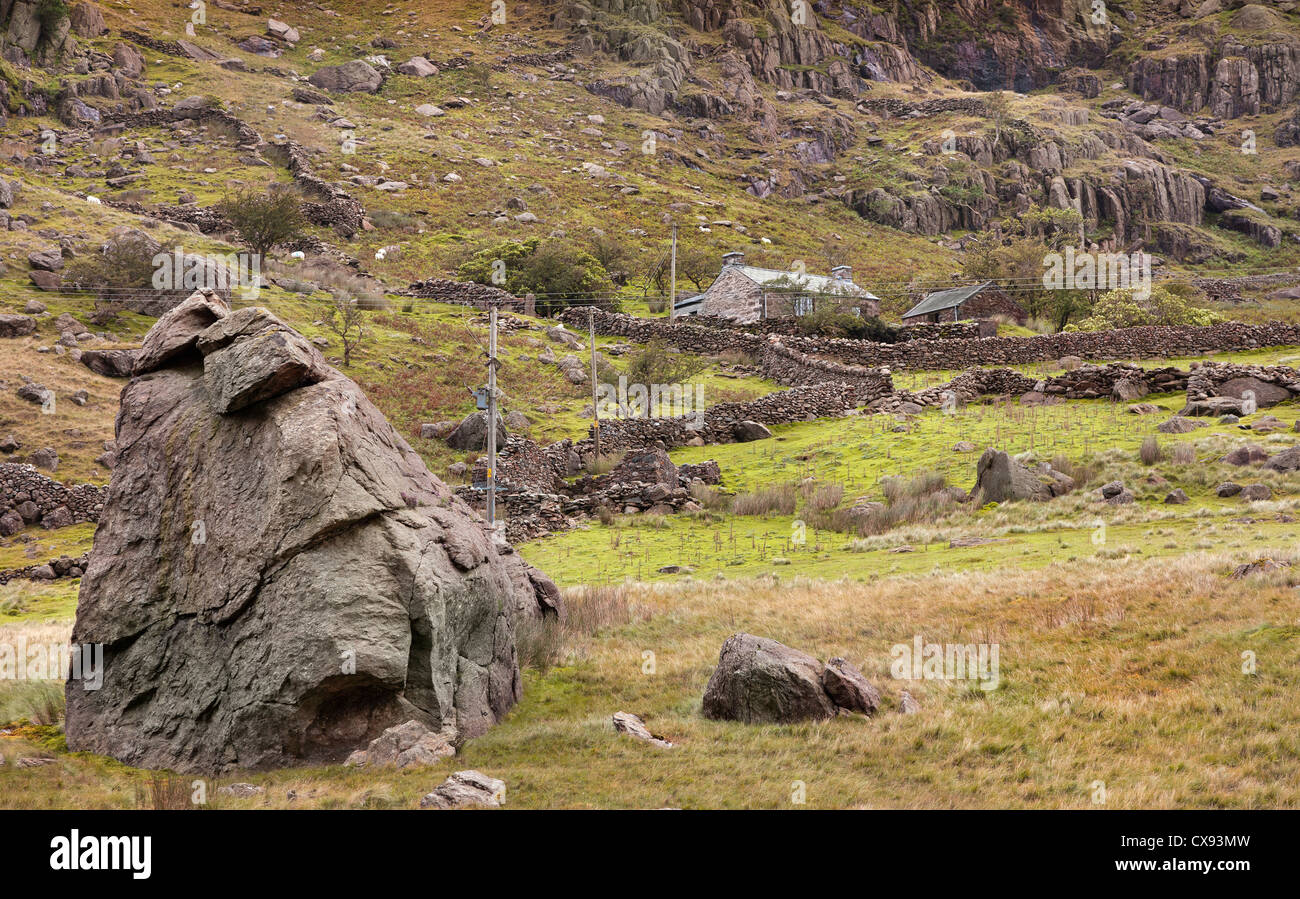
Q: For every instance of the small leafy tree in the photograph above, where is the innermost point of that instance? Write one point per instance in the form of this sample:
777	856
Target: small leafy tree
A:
557	272
653	363
614	255
1124	308
263	220
998	105
343	317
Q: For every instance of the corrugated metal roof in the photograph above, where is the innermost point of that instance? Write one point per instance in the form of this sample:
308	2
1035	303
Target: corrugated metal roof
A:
945	299
811	283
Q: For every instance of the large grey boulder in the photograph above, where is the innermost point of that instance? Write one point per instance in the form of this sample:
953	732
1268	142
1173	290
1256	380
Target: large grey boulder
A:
760	680
283	583
471	433
1265	392
175	334
1000	478
351	77
110	363
16	325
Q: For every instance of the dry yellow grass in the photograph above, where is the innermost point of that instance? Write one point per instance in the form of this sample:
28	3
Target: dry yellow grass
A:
1123	672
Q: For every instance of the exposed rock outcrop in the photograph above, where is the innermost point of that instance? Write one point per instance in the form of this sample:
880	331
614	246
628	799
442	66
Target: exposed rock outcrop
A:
278	578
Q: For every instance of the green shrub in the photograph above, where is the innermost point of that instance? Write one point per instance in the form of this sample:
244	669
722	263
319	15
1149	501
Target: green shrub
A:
556	272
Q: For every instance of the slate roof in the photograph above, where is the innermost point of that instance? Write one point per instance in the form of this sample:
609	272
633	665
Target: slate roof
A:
822	284
946	299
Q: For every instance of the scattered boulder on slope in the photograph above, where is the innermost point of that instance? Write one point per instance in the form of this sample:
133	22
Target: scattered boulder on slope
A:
110	363
749	431
471	433
1000	478
357	76
16	325
467	788
283	582
627	723
759	680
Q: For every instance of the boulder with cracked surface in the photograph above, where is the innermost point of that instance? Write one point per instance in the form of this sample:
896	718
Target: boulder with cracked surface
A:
277	578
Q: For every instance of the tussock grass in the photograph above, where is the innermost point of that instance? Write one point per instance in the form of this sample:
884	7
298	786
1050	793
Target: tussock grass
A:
780	499
1127	671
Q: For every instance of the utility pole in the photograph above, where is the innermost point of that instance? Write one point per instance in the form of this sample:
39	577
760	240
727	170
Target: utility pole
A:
492	419
595	393
672	278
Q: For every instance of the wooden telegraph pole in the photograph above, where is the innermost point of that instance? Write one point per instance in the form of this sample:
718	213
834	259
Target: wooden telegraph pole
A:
492	418
595	393
672	278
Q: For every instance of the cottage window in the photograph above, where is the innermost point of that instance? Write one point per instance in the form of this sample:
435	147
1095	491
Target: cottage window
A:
803	305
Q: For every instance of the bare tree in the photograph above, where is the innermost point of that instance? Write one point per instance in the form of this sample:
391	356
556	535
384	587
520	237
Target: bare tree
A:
343	317
998	105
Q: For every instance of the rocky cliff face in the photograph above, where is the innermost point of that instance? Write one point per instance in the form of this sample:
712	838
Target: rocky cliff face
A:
276	576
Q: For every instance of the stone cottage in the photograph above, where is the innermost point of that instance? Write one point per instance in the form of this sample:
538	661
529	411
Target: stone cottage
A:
747	293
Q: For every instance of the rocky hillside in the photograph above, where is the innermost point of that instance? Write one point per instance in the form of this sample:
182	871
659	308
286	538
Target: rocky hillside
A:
880	135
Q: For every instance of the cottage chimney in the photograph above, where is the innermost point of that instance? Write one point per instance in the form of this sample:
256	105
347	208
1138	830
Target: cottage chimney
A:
843	273
735	257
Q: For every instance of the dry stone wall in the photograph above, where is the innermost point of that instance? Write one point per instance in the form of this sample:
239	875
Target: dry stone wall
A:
1123	343
37	498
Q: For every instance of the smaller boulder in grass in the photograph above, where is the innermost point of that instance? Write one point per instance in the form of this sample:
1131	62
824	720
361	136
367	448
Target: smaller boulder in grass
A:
10	523
848	688
357	76
1259	566
1227	489
404	746
437	430
627	723
467	788
16	325
760	680
1246	455
749	431
1176	498
1287	460
1256	493
1000	478
1179	425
